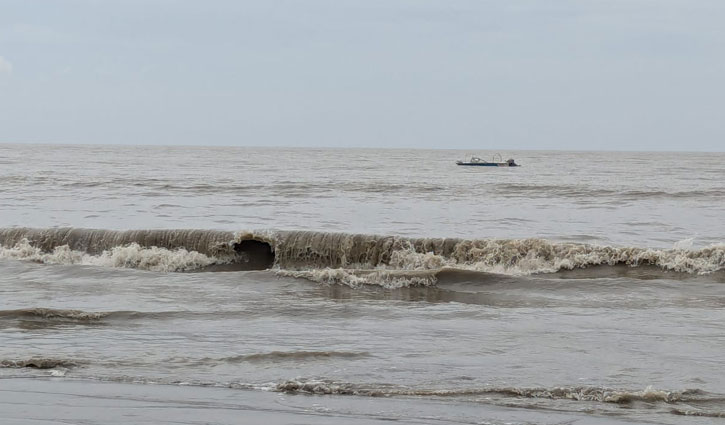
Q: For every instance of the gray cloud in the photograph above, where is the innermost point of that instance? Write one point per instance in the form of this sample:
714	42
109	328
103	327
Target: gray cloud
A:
5	66
616	74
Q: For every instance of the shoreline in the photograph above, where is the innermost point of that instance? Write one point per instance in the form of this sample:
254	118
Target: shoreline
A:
35	401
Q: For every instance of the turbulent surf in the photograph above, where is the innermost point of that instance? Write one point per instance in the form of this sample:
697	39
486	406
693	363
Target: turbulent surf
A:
336	257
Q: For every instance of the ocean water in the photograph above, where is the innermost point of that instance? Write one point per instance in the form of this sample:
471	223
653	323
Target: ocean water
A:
209	285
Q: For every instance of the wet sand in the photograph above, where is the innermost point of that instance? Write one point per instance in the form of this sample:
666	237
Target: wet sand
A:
59	400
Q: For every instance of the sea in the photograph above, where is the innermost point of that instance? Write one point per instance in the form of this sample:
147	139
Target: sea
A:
227	285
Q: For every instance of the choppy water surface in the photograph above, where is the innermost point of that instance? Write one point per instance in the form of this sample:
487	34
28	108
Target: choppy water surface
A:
580	286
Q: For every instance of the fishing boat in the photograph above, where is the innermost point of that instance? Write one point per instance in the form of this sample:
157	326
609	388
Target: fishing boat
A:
477	161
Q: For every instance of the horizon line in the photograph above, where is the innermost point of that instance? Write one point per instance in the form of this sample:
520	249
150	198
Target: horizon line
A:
45	143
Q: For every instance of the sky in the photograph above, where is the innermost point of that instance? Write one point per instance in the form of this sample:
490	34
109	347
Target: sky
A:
505	74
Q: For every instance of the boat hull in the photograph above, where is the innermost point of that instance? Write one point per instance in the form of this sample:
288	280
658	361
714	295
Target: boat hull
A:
485	164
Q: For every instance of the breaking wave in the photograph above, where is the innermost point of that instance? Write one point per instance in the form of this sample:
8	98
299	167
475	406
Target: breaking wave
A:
52	314
356	278
689	412
583	393
127	256
688	402
351	259
39	363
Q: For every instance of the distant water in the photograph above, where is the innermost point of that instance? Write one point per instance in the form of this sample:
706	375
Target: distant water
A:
585	284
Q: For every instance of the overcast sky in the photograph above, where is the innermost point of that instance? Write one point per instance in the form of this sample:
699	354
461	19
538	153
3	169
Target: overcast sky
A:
538	74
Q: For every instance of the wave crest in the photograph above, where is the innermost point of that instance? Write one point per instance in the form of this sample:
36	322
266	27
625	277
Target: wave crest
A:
351	259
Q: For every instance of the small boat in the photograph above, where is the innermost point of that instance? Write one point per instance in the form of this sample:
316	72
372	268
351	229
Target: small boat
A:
476	161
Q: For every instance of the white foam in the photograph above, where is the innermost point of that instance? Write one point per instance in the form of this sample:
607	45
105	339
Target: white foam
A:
300	250
354	259
599	394
510	257
129	256
353	278
529	256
